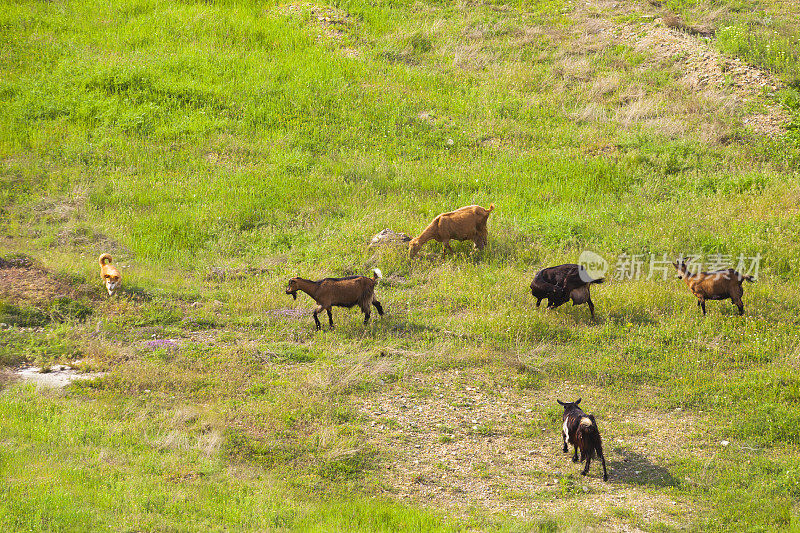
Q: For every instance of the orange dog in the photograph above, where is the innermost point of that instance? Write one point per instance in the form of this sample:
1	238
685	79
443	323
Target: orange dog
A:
110	274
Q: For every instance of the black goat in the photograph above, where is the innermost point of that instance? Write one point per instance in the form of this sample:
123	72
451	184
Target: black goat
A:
561	283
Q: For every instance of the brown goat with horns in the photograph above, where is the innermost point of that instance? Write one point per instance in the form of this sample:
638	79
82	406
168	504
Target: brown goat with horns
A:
339	292
718	285
464	224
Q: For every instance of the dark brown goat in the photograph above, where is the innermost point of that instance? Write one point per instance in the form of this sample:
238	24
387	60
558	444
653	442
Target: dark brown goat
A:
580	430
339	292
718	285
561	283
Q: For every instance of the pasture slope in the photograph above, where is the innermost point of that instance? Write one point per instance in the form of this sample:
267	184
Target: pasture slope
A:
217	149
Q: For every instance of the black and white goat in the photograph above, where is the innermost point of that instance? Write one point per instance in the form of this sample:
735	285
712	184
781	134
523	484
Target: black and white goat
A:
580	430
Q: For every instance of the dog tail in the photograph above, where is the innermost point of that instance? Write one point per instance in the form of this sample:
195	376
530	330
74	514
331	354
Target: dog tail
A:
105	259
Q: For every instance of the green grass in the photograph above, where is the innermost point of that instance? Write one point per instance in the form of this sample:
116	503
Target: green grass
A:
194	139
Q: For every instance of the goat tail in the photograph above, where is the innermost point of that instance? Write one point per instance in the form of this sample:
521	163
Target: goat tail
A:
751	279
491	208
104	259
377	274
599	280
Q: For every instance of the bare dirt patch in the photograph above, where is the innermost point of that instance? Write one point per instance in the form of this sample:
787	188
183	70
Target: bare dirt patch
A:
706	71
24	281
464	446
727	87
332	23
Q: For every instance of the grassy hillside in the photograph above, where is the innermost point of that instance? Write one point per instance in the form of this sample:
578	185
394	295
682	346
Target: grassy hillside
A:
218	149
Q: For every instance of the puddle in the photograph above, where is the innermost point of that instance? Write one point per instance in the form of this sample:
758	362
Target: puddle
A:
59	376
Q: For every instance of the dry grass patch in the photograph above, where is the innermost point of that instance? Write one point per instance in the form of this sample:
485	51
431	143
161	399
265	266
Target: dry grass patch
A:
462	441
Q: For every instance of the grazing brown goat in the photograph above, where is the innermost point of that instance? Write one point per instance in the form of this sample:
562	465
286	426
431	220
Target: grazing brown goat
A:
718	285
339	292
580	430
561	283
464	224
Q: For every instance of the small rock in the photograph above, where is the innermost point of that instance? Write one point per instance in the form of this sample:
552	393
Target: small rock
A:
724	442
388	236
585	489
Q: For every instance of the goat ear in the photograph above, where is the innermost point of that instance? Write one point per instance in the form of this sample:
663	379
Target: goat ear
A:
560	402
577	401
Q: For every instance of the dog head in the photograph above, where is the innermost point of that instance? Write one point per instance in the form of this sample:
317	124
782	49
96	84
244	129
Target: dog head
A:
113	282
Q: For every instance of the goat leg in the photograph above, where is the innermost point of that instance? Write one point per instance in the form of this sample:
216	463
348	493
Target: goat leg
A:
605	473
564	438
316	320
588	461
591	307
378	306
330	317
575	455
